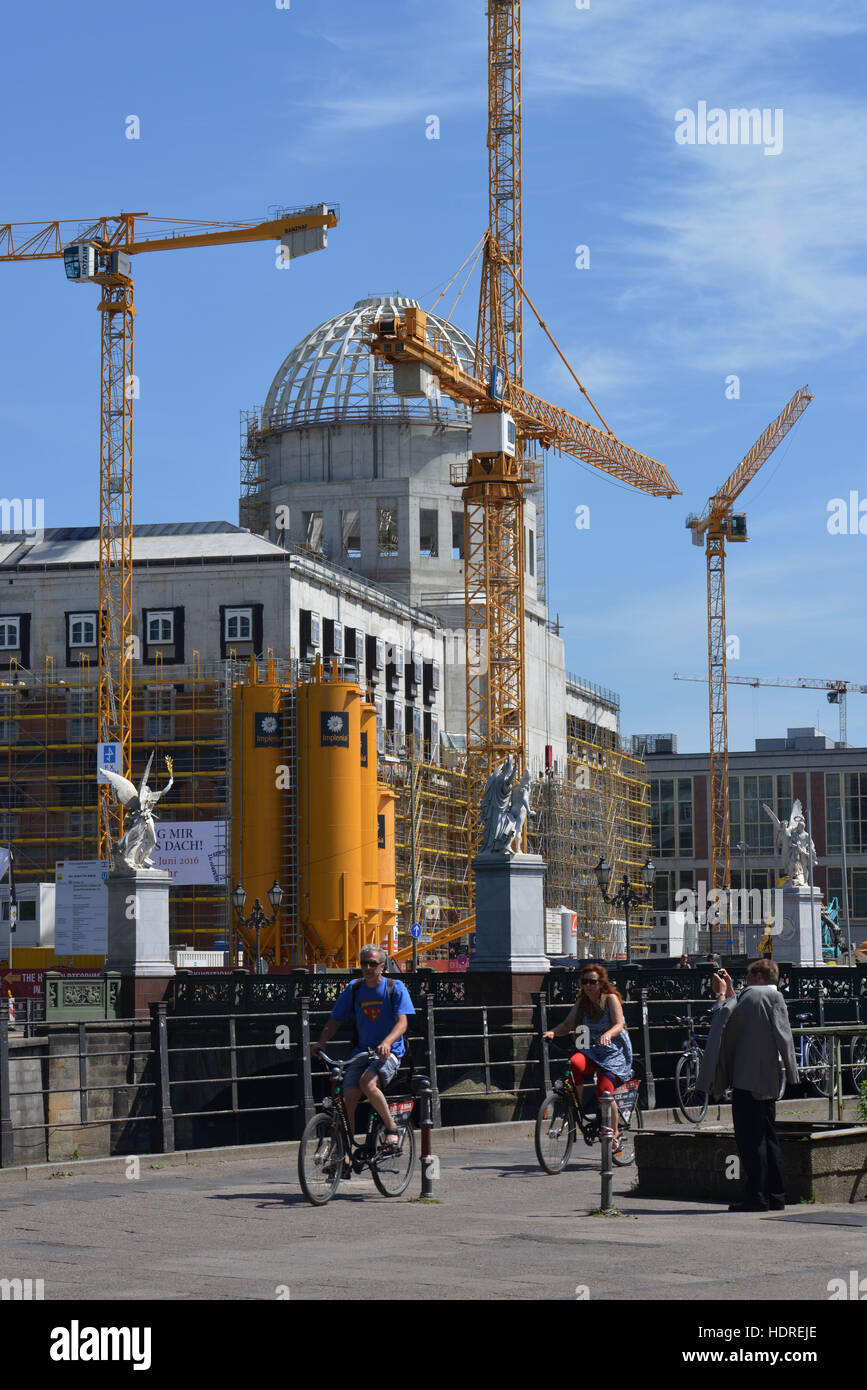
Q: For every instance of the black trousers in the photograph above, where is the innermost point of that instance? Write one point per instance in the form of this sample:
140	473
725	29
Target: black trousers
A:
759	1148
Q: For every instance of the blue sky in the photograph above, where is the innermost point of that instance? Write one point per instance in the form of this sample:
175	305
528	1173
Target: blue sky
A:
706	261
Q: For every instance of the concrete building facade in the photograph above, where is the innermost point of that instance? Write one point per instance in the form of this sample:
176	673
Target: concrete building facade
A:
806	765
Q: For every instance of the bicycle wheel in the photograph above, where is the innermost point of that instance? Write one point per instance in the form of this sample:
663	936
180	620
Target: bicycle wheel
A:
392	1168
815	1068
691	1101
858	1062
555	1133
627	1138
320	1159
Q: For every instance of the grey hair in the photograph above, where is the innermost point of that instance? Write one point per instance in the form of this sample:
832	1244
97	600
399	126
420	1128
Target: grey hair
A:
374	950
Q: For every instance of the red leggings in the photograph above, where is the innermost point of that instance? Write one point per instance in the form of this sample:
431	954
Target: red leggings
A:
583	1070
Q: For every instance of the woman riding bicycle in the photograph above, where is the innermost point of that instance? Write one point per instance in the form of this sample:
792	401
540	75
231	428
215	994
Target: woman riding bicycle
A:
599	1008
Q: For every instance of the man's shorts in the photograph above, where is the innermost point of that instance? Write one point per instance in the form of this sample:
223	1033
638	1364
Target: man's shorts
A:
385	1071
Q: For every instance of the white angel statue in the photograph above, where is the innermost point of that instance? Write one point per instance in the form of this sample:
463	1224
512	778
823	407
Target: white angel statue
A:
794	844
509	841
133	849
495	806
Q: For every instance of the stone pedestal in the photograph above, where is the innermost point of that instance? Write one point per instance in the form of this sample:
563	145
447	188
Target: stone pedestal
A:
800	932
510	914
138	938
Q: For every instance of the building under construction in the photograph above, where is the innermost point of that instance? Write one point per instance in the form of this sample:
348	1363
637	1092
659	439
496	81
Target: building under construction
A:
357	557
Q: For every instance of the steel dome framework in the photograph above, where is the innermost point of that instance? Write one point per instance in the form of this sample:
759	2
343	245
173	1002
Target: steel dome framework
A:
332	374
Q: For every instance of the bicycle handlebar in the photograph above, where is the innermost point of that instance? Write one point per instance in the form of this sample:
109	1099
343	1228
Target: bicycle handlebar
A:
368	1052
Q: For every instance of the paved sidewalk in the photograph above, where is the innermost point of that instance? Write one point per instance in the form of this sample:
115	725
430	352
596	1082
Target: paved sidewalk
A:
503	1230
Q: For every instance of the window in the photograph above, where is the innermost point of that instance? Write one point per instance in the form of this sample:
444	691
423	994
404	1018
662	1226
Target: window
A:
671	817
82	629
748	821
854	791
160	626
457	535
81	699
428	533
313	530
387	529
857	896
350	532
81	730
531	552
10	633
239	625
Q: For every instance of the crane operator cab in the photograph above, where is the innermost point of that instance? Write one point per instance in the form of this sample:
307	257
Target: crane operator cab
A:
87	261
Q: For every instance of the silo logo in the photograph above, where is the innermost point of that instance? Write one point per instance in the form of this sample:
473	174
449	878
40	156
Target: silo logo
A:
335	729
267	732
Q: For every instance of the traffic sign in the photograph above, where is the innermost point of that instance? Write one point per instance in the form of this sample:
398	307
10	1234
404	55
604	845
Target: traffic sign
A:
108	755
415	930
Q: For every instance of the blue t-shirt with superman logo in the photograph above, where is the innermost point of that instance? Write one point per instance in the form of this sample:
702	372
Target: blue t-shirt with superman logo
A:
376	1012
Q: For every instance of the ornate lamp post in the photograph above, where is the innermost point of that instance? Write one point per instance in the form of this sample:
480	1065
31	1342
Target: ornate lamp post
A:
258	918
628	894
744	851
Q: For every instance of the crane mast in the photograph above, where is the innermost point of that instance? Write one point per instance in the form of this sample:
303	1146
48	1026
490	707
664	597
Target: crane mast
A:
115	636
493	484
718	524
506	417
100	254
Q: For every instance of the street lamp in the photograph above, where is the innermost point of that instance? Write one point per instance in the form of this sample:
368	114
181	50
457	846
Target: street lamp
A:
745	850
258	917
628	894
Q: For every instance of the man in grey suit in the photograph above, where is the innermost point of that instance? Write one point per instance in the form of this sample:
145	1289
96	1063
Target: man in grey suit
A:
756	1028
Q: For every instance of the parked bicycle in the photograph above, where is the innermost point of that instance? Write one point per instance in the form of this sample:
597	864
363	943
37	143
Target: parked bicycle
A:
858	1061
562	1115
692	1102
328	1150
811	1054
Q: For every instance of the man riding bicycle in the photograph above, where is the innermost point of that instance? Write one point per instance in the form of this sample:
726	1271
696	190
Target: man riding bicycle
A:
380	1008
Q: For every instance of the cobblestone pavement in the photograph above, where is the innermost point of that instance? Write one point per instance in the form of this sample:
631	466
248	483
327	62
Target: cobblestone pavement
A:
501	1230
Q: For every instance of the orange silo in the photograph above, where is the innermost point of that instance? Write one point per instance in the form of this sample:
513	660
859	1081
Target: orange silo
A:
369	821
387	884
258	801
330	869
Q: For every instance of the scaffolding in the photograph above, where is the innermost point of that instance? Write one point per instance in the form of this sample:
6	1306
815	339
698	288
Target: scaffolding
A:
601	807
253	506
48	800
435	794
48	788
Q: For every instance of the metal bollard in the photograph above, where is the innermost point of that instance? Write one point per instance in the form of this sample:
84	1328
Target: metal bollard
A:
430	1165
605	1103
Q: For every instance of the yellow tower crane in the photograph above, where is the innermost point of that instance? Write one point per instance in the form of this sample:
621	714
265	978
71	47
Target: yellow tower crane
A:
100	254
506	420
717	524
836	691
